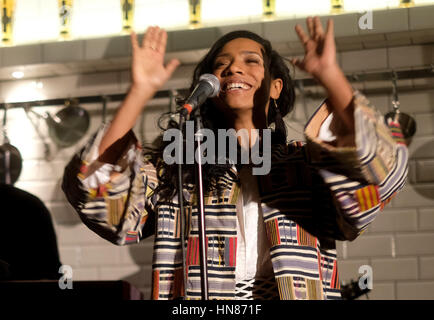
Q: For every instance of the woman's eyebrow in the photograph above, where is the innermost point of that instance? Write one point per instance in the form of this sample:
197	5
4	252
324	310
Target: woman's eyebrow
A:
251	52
242	52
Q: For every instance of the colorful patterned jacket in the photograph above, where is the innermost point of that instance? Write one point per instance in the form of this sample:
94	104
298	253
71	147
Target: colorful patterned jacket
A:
316	193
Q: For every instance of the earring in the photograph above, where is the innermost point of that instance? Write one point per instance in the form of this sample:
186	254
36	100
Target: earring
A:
279	124
276	107
276	112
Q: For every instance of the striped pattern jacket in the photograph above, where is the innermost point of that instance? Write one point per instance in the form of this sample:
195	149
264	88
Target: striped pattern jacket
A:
316	192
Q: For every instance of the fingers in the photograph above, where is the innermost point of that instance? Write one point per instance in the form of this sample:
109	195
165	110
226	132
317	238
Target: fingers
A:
315	30
152	38
330	34
310	27
148	38
162	41
155	39
298	63
171	66
318	30
134	41
301	34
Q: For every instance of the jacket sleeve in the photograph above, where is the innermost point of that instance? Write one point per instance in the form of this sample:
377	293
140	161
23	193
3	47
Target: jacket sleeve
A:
363	169
114	200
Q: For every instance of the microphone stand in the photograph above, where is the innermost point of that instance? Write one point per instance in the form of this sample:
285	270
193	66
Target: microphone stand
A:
200	205
208	86
201	209
181	205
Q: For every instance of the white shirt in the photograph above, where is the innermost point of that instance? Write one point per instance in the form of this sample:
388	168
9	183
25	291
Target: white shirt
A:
253	250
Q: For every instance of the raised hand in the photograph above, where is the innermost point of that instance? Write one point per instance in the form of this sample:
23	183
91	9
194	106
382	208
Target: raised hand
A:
319	47
148	69
320	61
148	75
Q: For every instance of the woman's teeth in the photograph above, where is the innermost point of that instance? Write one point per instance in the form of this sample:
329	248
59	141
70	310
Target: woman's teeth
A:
236	85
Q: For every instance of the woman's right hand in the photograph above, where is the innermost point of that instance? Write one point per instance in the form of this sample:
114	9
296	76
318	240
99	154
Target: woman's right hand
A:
148	69
149	74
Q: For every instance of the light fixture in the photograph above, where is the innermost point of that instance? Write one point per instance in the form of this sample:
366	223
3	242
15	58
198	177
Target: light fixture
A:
7	20
406	3
65	10
17	74
337	6
195	13
268	9
127	7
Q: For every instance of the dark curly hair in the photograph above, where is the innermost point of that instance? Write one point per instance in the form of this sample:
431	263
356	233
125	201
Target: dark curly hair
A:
213	119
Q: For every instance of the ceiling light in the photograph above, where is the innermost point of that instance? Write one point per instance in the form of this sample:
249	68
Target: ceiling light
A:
17	74
268	9
195	13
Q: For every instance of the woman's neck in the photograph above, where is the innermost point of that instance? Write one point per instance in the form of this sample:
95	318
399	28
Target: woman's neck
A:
244	121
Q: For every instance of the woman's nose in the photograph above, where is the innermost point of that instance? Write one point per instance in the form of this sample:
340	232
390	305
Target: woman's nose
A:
234	68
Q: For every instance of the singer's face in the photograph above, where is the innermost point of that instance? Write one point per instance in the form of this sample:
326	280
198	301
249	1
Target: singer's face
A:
240	69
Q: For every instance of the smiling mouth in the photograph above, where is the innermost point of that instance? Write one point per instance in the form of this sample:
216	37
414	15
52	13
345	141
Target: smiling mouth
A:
232	86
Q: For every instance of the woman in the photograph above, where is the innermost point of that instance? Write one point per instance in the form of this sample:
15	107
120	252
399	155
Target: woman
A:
270	236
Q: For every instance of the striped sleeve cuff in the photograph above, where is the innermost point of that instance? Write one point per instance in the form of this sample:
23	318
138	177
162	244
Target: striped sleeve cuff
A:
118	196
364	169
93	170
368	154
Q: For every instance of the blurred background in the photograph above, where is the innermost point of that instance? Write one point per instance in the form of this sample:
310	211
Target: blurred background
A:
70	60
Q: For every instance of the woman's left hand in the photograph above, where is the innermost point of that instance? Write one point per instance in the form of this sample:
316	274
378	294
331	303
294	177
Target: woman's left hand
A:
319	47
320	61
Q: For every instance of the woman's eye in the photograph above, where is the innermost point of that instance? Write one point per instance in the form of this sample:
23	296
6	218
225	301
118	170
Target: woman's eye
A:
218	65
253	61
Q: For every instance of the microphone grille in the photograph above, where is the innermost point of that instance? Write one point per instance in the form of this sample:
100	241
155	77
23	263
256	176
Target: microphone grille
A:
213	81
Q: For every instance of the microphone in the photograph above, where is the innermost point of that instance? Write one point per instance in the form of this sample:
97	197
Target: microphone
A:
208	87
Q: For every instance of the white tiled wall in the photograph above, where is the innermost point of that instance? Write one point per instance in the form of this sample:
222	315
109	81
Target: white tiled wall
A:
399	245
